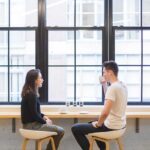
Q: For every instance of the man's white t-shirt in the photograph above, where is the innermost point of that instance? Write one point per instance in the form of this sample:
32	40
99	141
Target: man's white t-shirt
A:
117	92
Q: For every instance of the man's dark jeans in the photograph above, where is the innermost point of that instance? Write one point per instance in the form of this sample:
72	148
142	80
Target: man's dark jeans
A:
81	130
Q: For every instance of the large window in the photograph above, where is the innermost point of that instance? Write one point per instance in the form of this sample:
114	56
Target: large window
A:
17	46
75	50
131	40
17	52
69	40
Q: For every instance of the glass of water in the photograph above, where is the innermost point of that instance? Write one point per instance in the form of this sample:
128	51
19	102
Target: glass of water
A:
67	103
81	103
75	103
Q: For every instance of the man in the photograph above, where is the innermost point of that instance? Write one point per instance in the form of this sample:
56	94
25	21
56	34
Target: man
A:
113	113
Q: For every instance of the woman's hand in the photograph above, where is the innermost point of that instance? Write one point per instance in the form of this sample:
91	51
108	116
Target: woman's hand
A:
48	121
45	118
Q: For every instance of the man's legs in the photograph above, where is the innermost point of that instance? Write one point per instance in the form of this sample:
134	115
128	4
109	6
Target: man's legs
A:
81	130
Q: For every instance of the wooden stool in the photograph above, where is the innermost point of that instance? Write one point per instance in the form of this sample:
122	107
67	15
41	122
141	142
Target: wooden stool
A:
39	136
106	137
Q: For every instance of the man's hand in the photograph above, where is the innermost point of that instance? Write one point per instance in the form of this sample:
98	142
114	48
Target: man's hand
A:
102	80
95	124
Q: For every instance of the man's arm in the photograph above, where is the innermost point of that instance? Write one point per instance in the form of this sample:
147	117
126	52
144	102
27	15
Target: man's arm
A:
104	114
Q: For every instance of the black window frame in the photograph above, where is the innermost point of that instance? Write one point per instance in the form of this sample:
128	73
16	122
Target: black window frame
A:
108	47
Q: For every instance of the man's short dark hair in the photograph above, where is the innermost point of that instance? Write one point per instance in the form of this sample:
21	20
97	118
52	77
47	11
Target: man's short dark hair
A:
111	65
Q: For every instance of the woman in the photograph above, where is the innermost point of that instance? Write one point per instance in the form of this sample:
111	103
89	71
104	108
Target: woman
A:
31	115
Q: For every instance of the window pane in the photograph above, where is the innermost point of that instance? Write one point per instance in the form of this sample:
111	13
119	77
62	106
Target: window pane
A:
23	13
88	87
63	10
126	12
146	84
89	48
3	48
90	13
3	13
131	76
22	47
128	47
146	47
4	84
146	13
61	84
17	80
61	49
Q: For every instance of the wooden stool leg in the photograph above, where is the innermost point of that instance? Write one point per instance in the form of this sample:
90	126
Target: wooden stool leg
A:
91	141
36	144
119	144
107	145
105	141
24	144
53	143
39	145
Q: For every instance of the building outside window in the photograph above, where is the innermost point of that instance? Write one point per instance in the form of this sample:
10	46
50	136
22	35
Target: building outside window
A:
75	36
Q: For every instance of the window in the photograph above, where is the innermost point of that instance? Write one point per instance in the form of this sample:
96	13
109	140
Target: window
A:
68	40
131	40
17	46
3	13
75	50
126	12
21	55
23	13
146	13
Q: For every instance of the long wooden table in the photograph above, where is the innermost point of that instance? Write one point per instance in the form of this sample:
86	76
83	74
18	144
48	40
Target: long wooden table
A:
13	112
82	115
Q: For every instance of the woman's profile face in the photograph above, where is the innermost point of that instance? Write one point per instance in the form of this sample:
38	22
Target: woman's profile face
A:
39	81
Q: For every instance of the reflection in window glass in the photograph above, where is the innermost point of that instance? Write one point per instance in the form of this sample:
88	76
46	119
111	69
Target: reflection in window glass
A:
63	10
3	13
61	49
22	47
23	13
17	80
128	47
89	50
126	12
88	87
90	13
61	84
146	84
131	76
146	47
4	84
3	47
146	13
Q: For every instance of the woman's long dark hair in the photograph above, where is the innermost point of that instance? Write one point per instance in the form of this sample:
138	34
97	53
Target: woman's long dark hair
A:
29	85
